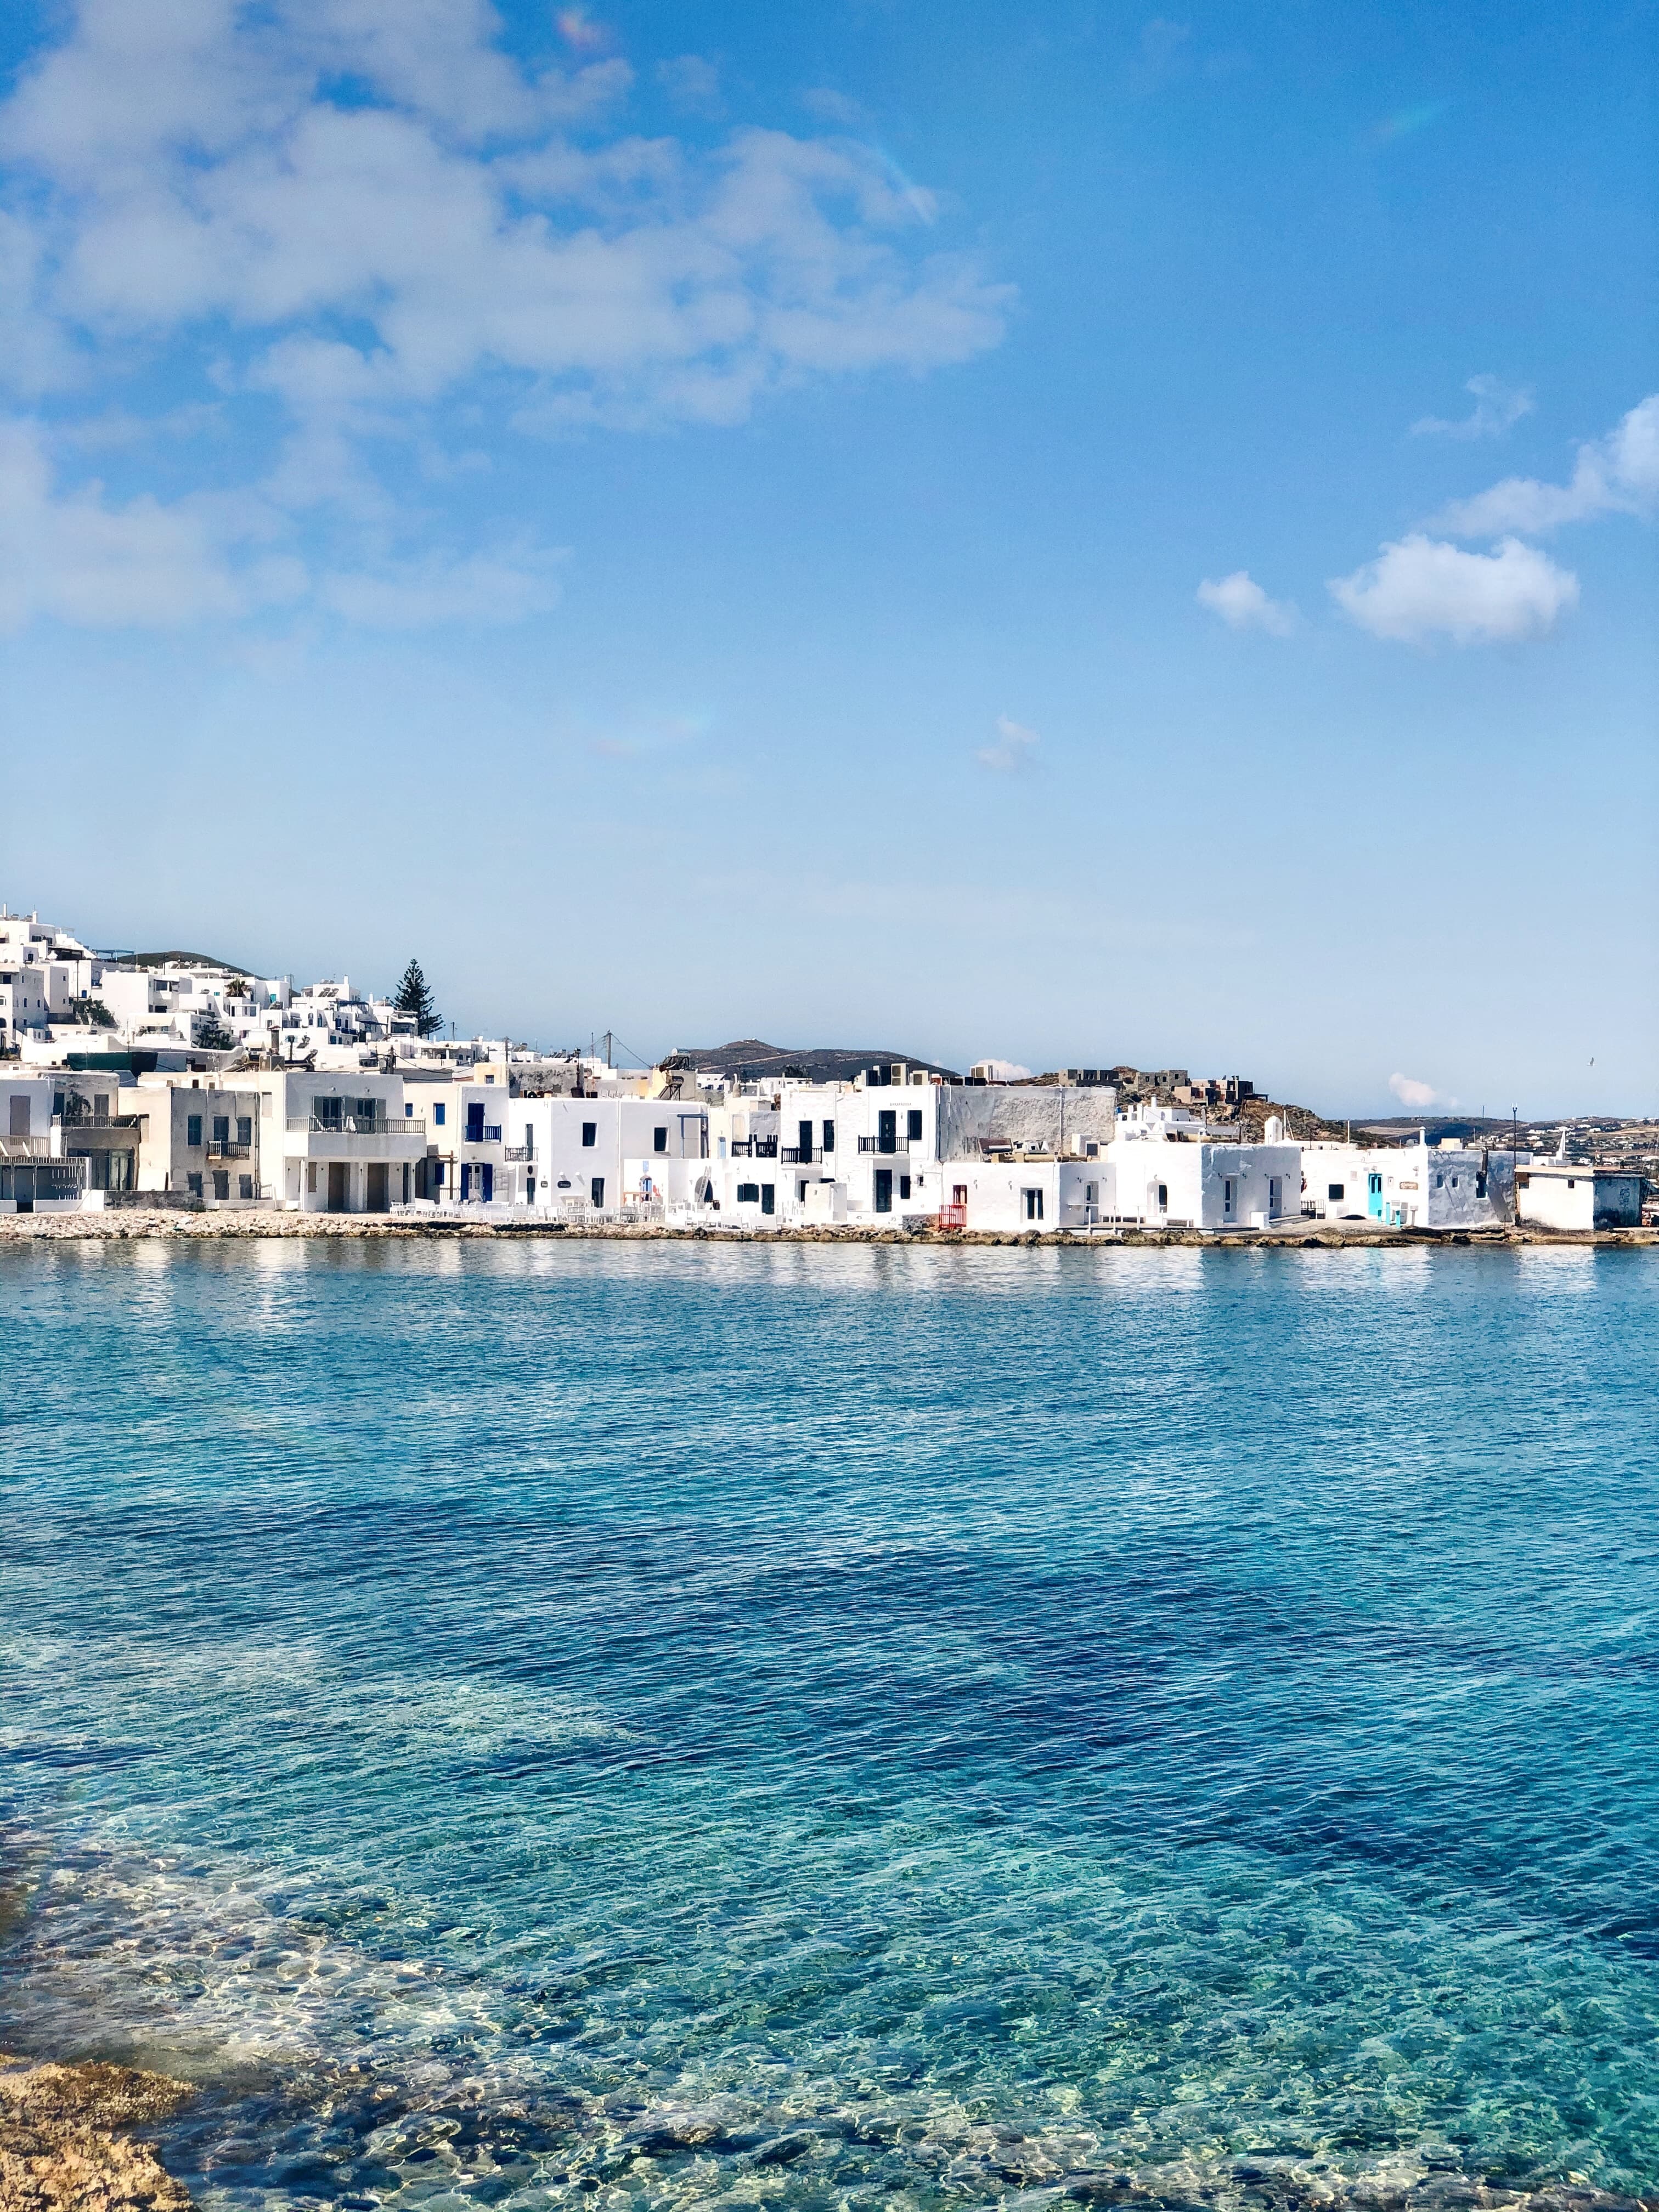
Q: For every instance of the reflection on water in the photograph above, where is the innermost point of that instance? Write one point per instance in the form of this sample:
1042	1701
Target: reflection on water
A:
861	1725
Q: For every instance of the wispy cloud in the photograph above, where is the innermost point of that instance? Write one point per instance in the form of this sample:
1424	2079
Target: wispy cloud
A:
1615	475
1421	588
692	82
1497	407
1014	750
1242	604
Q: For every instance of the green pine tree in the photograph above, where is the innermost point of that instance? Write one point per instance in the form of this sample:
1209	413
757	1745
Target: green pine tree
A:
415	997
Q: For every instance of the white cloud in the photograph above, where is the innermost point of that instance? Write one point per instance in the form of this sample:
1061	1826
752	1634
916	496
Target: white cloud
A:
1242	604
1497	407
373	214
482	589
1410	1093
201	172
75	557
1616	474
1421	588
1012	750
691	82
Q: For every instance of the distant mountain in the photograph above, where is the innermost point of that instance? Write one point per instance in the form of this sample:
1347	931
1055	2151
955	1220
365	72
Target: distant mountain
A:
183	960
753	1059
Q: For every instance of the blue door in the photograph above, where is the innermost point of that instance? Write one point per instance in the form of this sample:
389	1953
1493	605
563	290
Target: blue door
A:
488	1173
1374	1196
466	1180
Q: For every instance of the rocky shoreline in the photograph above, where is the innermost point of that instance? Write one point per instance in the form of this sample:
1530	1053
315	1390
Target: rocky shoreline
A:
128	1224
65	2138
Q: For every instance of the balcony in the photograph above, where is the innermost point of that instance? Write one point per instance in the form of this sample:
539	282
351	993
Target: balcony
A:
362	1125
754	1148
220	1148
800	1156
888	1152
519	1156
356	1136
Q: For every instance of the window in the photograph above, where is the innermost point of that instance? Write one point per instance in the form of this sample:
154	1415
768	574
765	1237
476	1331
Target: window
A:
769	1197
1226	1195
828	1136
221	1128
659	1140
884	1190
409	1109
245	1186
748	1193
887	1133
1033	1205
596	1188
438	1113
590	1132
912	1124
1440	1182
193	1185
905	1186
1333	1190
192	1128
245	1128
475	1123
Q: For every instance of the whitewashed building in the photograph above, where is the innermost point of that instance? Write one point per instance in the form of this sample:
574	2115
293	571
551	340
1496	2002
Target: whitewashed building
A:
1447	1185
1567	1195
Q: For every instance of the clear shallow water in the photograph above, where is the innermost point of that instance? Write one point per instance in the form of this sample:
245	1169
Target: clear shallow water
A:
804	1727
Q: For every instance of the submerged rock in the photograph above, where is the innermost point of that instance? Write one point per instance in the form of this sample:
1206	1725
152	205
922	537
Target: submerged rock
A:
62	2139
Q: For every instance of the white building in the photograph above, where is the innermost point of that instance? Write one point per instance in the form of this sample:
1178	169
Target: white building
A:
336	1142
1565	1195
1166	1171
1449	1185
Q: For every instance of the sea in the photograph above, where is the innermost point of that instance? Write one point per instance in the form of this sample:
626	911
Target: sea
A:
656	1725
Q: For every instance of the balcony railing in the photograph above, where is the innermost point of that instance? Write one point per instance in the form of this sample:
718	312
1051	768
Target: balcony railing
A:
754	1148
360	1125
954	1217
888	1152
801	1156
518	1155
221	1148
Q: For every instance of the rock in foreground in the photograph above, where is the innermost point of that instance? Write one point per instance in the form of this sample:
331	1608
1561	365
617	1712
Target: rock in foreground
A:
62	2139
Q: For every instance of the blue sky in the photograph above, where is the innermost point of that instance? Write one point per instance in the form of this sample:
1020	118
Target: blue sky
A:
1066	533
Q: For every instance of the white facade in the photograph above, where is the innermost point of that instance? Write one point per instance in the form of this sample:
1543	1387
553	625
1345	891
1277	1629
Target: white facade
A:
336	1142
1416	1186
1563	1195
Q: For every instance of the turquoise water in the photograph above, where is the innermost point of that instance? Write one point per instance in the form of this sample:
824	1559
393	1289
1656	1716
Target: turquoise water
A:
653	1725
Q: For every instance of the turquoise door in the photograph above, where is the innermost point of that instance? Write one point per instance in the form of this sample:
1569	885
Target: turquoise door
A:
1374	1196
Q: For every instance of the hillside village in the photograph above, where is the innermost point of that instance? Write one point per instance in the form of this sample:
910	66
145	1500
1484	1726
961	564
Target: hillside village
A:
173	1080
